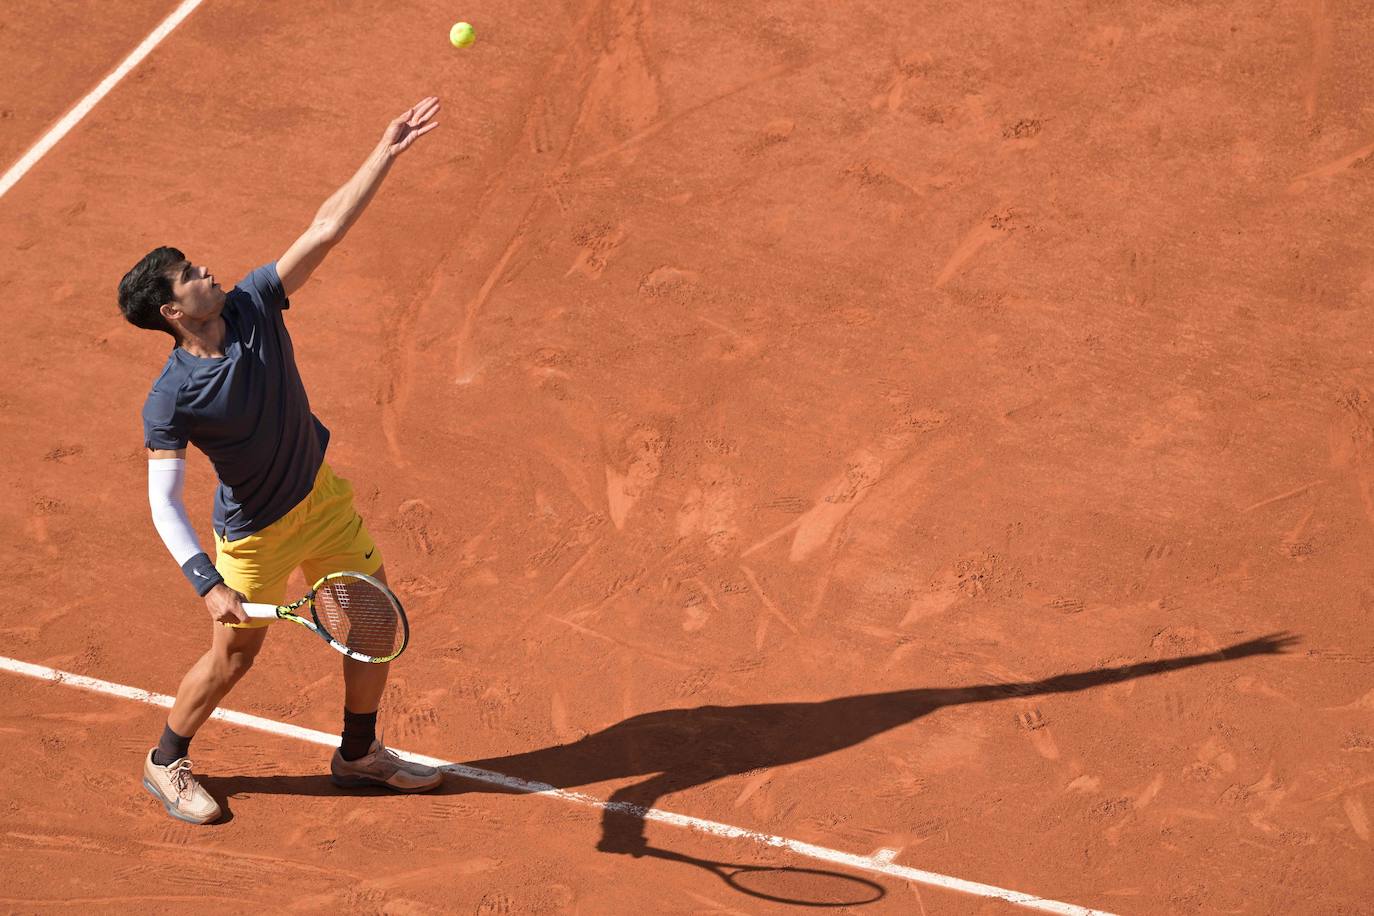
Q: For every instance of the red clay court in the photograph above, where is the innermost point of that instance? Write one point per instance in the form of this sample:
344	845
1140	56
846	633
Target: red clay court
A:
930	443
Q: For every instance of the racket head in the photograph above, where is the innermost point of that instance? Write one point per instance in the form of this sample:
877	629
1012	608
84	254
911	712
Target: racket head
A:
358	615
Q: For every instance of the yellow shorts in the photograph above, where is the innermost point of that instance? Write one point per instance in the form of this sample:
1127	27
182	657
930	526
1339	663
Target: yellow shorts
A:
322	534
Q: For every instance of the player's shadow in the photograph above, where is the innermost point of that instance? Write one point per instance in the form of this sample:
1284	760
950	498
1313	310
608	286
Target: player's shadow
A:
678	749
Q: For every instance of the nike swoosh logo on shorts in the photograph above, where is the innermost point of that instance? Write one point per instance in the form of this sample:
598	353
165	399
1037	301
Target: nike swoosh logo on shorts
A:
368	555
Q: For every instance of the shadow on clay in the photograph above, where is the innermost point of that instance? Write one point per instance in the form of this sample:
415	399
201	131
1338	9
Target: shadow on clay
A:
678	749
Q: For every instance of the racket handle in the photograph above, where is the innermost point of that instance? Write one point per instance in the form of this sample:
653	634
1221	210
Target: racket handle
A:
260	611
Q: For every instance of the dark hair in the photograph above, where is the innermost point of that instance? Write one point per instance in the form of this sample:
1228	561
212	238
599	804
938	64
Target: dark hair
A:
146	288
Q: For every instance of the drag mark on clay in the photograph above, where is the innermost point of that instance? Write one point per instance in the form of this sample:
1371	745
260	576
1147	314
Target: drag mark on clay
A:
845	492
785	529
1361	158
1296	491
624	644
990	229
890	95
1036	727
624	490
818	525
1358	817
768	604
414	517
941	594
44	506
1292	544
818	597
1263	798
695	616
1149	793
463	369
716	324
574	569
758	781
709	509
597	243
558	716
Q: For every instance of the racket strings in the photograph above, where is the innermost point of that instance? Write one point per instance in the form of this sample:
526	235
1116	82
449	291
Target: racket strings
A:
360	616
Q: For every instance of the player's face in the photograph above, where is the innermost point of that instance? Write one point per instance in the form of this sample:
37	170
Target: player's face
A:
195	293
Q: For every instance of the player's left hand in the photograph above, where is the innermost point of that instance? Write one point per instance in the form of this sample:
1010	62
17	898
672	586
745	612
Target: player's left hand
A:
414	122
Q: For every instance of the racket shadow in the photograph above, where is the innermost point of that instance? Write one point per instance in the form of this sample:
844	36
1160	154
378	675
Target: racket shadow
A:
789	884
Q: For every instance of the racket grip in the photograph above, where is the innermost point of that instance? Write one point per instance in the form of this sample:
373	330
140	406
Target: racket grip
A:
260	611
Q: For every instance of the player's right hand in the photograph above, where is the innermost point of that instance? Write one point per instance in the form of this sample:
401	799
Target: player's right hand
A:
411	124
225	605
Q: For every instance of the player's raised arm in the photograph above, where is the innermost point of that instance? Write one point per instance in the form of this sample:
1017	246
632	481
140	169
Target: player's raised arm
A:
344	206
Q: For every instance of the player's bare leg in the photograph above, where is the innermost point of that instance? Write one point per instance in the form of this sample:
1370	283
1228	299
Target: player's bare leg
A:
364	682
362	760
167	771
231	654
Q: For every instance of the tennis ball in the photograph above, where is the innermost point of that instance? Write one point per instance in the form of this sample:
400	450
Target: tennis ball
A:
461	35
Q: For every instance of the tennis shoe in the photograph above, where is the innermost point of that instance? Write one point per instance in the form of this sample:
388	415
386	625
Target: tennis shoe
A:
180	793
381	767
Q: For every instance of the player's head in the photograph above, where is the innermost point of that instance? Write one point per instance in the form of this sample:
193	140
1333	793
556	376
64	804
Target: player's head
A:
164	289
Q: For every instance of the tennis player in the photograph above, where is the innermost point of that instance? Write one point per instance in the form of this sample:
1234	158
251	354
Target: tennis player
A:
231	388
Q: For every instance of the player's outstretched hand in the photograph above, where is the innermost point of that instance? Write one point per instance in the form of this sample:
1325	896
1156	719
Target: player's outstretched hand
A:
225	605
414	122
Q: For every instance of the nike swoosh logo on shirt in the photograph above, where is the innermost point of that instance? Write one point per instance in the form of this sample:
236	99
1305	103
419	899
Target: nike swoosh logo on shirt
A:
368	555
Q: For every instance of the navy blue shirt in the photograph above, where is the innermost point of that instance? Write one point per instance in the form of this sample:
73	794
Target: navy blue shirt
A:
246	410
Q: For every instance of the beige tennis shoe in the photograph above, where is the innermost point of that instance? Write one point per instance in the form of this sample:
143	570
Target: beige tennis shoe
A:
381	767
176	787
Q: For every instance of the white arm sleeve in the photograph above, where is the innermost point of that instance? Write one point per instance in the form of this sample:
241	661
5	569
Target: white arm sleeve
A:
166	480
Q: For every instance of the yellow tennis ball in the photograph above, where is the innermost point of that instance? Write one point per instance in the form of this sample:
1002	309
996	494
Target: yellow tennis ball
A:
461	35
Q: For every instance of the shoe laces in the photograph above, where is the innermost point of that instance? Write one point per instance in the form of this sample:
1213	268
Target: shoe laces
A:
387	754
180	774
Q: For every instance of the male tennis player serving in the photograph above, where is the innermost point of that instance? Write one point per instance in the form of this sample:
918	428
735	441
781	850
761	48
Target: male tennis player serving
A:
231	388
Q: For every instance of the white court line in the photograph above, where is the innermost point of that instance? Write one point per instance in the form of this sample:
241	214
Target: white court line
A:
70	119
879	863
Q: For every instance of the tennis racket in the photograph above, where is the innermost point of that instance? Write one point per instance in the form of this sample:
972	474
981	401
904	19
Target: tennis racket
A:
353	612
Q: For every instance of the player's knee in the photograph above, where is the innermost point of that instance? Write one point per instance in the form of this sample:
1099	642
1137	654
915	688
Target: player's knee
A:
234	662
232	666
238	663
